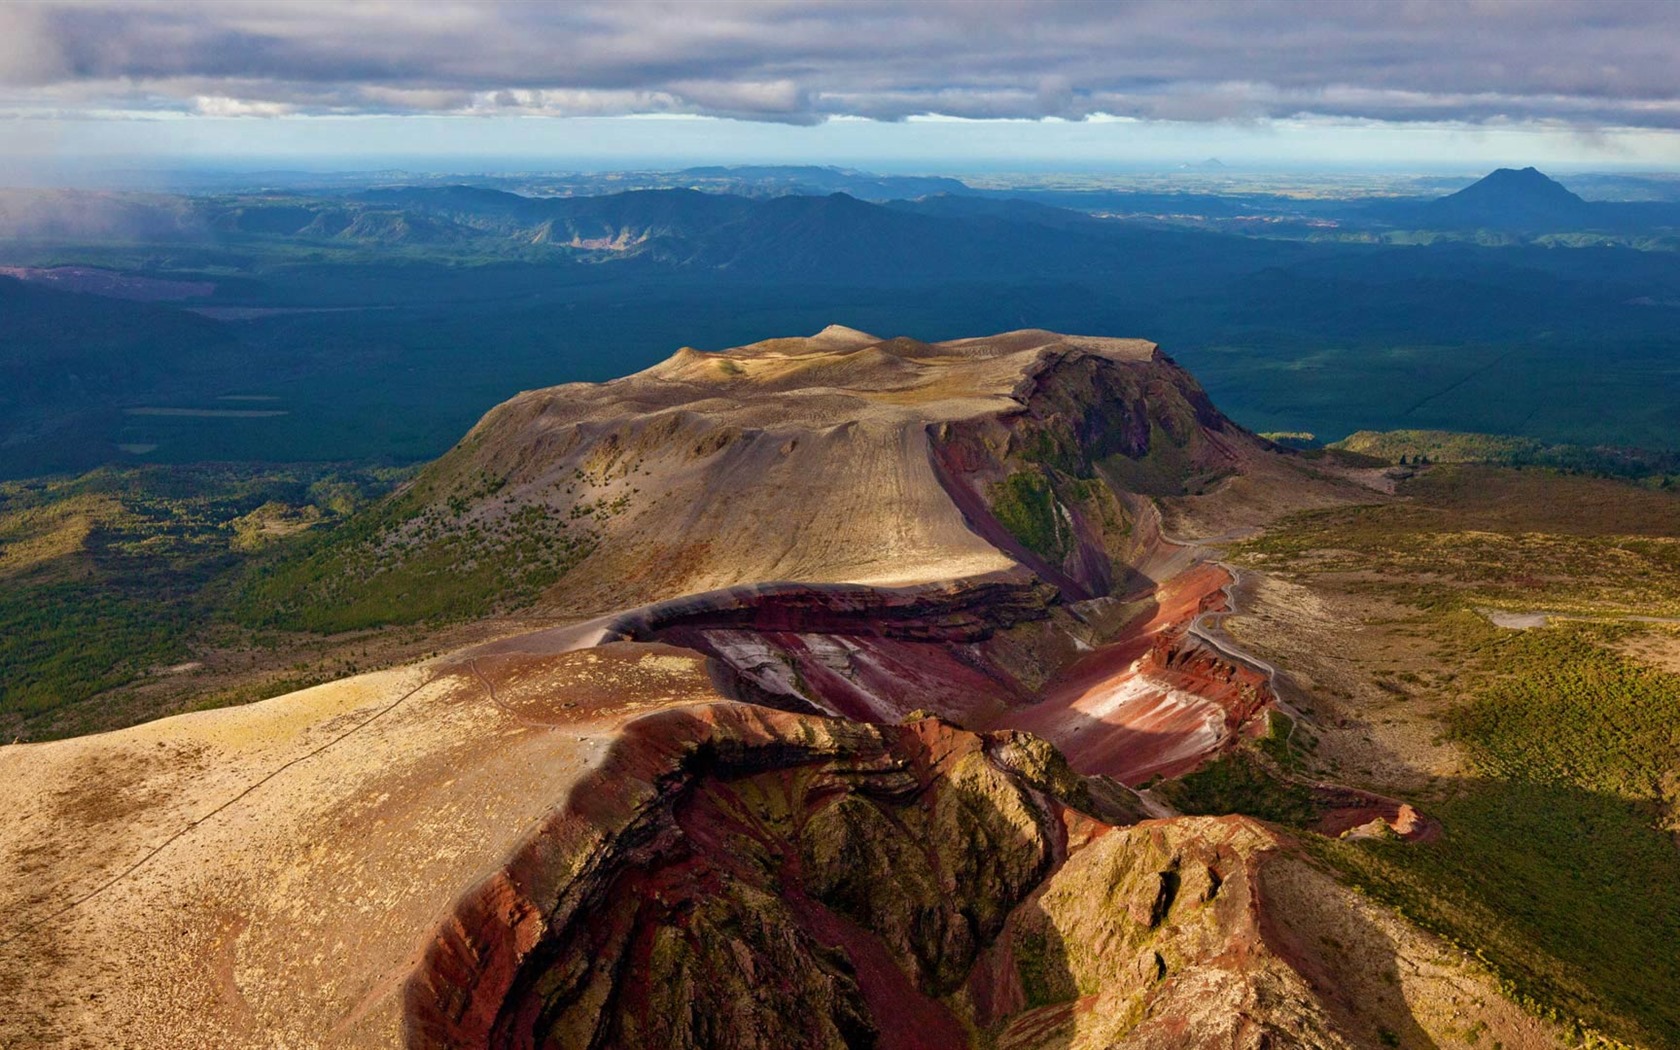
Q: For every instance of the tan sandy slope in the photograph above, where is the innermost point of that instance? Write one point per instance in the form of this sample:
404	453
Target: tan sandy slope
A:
267	875
790	459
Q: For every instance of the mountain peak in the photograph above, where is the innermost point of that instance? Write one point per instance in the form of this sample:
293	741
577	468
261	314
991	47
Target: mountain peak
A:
1528	183
838	335
1511	198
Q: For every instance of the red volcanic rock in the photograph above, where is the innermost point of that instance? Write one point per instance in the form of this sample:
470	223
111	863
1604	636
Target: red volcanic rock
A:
871	654
1351	813
1152	702
1156	701
813	880
743	877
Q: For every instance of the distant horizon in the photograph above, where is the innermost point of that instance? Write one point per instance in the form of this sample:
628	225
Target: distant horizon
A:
129	172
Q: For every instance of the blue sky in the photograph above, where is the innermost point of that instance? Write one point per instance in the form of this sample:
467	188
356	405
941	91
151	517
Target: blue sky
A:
915	145
1455	85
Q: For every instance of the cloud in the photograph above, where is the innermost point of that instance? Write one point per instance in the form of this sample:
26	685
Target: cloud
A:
1583	63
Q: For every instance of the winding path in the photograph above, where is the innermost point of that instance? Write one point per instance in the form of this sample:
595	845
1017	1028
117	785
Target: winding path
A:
1208	627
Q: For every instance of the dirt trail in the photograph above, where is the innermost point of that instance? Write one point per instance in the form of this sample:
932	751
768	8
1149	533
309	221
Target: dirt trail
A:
1209	626
215	811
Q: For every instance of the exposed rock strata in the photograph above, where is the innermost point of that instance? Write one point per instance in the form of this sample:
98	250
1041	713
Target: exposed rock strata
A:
734	870
734	876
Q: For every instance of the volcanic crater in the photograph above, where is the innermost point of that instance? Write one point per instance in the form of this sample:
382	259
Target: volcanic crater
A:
876	648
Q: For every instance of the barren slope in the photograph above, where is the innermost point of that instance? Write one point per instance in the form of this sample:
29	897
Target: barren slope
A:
837	458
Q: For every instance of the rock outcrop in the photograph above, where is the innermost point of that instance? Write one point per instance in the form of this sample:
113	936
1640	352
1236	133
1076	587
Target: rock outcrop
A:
740	876
737	876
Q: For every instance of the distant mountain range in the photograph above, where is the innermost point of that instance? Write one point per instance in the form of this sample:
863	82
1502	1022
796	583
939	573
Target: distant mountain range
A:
241	291
831	237
715	217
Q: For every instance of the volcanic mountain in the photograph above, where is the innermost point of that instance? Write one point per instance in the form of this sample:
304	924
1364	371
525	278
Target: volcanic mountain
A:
1511	199
840	458
876	647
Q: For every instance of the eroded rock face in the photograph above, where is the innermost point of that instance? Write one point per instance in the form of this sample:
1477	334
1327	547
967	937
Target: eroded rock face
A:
1151	937
874	654
743	877
1146	700
748	877
1048	480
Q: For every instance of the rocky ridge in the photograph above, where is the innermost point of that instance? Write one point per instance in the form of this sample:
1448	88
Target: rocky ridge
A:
737	876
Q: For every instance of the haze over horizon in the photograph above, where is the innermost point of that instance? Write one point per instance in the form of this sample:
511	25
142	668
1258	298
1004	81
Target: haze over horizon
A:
891	86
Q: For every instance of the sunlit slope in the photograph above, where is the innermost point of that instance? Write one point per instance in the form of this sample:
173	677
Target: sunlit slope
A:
835	458
270	874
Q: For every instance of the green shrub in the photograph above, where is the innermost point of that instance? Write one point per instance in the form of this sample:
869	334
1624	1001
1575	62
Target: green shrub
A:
1240	783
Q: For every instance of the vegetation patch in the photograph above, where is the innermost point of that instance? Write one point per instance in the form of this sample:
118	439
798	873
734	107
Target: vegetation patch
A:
1566	708
1571	896
106	577
1657	469
1279	744
1519	540
64	642
409	564
1240	783
1441	446
1025	504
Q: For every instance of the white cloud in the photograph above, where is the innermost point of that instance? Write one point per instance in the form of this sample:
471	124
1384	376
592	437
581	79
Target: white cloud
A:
1585	62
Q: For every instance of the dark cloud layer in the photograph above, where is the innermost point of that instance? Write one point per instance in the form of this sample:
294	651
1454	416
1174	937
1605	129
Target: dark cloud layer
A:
1582	62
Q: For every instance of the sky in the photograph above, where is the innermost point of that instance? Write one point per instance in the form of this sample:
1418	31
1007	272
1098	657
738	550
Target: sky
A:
889	84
